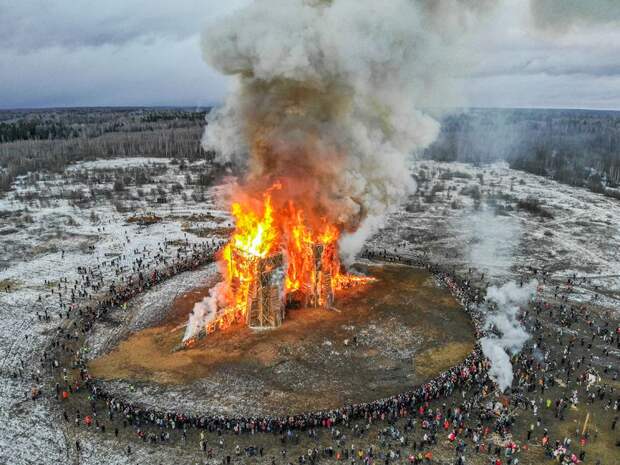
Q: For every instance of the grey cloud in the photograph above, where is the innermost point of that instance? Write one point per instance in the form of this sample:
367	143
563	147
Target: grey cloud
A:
159	73
513	46
29	25
556	65
544	91
608	69
562	15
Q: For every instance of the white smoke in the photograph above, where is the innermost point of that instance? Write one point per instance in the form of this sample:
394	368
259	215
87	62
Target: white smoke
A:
350	244
506	335
332	90
205	311
491	240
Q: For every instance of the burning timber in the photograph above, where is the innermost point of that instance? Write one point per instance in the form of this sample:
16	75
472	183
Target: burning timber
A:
267	298
265	305
277	257
318	291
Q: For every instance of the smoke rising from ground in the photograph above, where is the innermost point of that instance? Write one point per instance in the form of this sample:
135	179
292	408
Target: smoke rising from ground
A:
506	336
352	243
205	311
329	96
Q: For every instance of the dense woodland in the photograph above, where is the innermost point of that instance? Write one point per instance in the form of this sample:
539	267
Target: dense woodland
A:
577	147
16	125
49	140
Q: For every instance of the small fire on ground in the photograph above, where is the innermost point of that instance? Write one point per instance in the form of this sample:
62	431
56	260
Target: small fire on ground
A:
277	257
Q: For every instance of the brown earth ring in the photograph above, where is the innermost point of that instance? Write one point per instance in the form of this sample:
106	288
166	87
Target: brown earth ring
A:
268	366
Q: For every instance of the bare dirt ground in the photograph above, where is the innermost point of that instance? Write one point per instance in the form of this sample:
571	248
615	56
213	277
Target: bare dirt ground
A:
380	340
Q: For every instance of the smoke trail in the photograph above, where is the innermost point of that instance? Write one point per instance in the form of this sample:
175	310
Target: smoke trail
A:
205	311
491	240
506	334
329	96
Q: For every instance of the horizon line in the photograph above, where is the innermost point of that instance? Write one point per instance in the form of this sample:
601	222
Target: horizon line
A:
212	105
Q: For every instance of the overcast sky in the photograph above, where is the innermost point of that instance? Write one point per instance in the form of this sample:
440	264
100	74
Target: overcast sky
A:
147	52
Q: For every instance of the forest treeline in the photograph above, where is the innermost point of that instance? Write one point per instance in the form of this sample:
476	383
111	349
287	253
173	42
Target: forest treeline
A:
91	122
577	147
52	139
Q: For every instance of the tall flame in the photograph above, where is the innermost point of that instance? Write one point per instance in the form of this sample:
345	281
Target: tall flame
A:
261	230
255	235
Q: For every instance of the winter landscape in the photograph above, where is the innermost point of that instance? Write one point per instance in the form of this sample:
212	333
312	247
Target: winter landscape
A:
341	256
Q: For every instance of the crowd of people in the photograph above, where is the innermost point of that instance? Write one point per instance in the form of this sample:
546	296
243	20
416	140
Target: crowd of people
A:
473	422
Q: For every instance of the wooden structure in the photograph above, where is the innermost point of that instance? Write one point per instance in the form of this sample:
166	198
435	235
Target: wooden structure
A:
265	307
323	290
318	292
326	291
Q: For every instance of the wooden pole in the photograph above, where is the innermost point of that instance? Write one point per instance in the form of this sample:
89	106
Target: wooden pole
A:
585	424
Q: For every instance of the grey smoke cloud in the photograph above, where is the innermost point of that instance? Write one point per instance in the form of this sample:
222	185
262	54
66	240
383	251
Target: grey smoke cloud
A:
333	91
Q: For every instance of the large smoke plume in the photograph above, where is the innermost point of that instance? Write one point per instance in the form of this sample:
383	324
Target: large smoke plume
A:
330	97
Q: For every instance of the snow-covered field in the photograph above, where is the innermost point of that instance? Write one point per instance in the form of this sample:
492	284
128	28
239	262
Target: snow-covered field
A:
47	232
578	233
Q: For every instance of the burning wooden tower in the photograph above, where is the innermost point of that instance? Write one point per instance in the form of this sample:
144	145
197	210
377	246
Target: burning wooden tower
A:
316	291
266	291
265	305
274	259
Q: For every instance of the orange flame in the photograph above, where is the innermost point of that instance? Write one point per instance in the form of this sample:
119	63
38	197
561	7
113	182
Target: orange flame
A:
255	235
262	231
